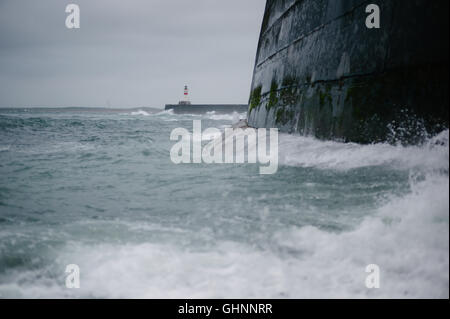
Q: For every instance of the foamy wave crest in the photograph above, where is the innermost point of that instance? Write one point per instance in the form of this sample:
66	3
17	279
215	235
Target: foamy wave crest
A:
145	113
407	239
165	112
310	152
140	112
234	117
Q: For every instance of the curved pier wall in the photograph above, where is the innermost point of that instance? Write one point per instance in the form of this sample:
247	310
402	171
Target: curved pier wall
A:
320	71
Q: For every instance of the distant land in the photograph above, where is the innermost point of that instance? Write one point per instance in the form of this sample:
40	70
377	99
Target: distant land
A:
85	109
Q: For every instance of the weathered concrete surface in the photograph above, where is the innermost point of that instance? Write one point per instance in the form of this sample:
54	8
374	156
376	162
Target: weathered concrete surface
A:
203	108
320	71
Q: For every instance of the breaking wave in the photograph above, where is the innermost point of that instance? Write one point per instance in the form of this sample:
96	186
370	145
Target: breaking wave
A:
140	112
234	117
309	152
407	239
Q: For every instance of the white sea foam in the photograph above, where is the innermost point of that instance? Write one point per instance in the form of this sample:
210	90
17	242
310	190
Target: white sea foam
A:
408	239
234	117
140	112
309	152
165	112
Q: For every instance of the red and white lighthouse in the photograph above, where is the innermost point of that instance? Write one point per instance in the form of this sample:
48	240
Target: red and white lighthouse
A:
186	96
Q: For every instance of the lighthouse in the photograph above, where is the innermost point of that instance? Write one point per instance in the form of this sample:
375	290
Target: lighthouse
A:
185	101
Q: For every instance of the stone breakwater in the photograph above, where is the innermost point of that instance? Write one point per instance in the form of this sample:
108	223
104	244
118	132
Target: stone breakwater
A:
321	71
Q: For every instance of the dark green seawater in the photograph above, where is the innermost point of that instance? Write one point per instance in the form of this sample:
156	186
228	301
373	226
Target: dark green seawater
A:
98	189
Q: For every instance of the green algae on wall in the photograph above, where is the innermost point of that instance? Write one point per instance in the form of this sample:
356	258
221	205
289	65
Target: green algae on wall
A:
255	98
273	95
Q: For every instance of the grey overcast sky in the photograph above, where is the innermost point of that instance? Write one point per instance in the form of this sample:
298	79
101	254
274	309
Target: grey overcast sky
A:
127	53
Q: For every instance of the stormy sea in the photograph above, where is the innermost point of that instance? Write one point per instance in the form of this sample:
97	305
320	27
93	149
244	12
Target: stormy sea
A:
98	189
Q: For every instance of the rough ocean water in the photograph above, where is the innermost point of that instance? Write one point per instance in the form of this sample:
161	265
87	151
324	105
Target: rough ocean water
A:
98	189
